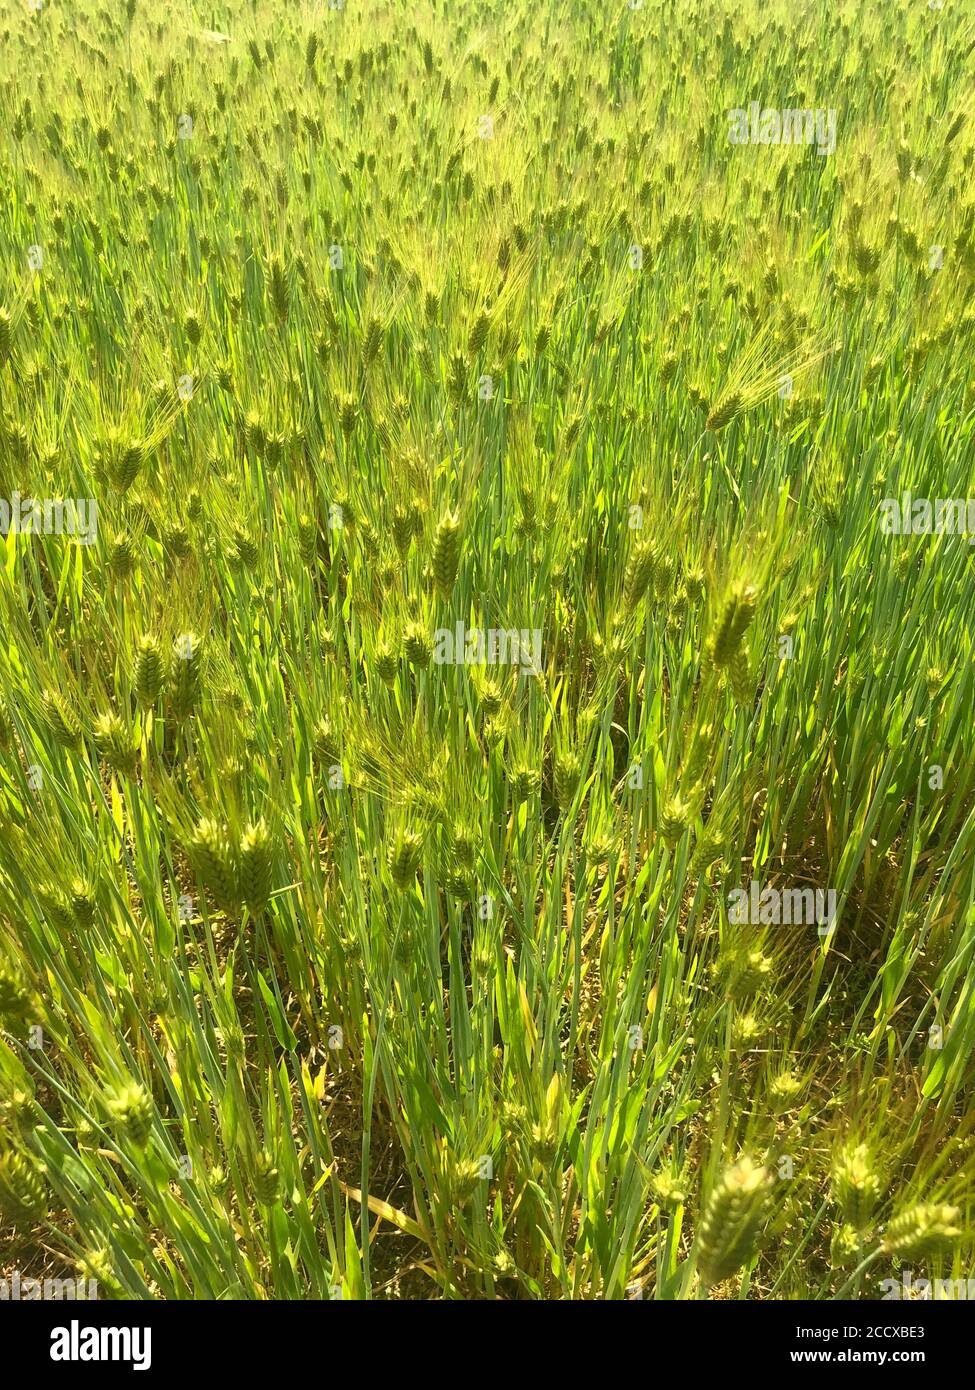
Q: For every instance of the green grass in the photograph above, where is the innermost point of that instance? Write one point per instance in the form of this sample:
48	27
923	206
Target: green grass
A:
363	975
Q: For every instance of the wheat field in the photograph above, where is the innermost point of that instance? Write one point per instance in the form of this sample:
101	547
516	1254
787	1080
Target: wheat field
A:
487	805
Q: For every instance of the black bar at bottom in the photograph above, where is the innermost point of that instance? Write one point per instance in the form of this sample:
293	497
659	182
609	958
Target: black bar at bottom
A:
97	1338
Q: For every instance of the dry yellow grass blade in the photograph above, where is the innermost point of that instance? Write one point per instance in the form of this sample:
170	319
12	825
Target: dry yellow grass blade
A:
387	1212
